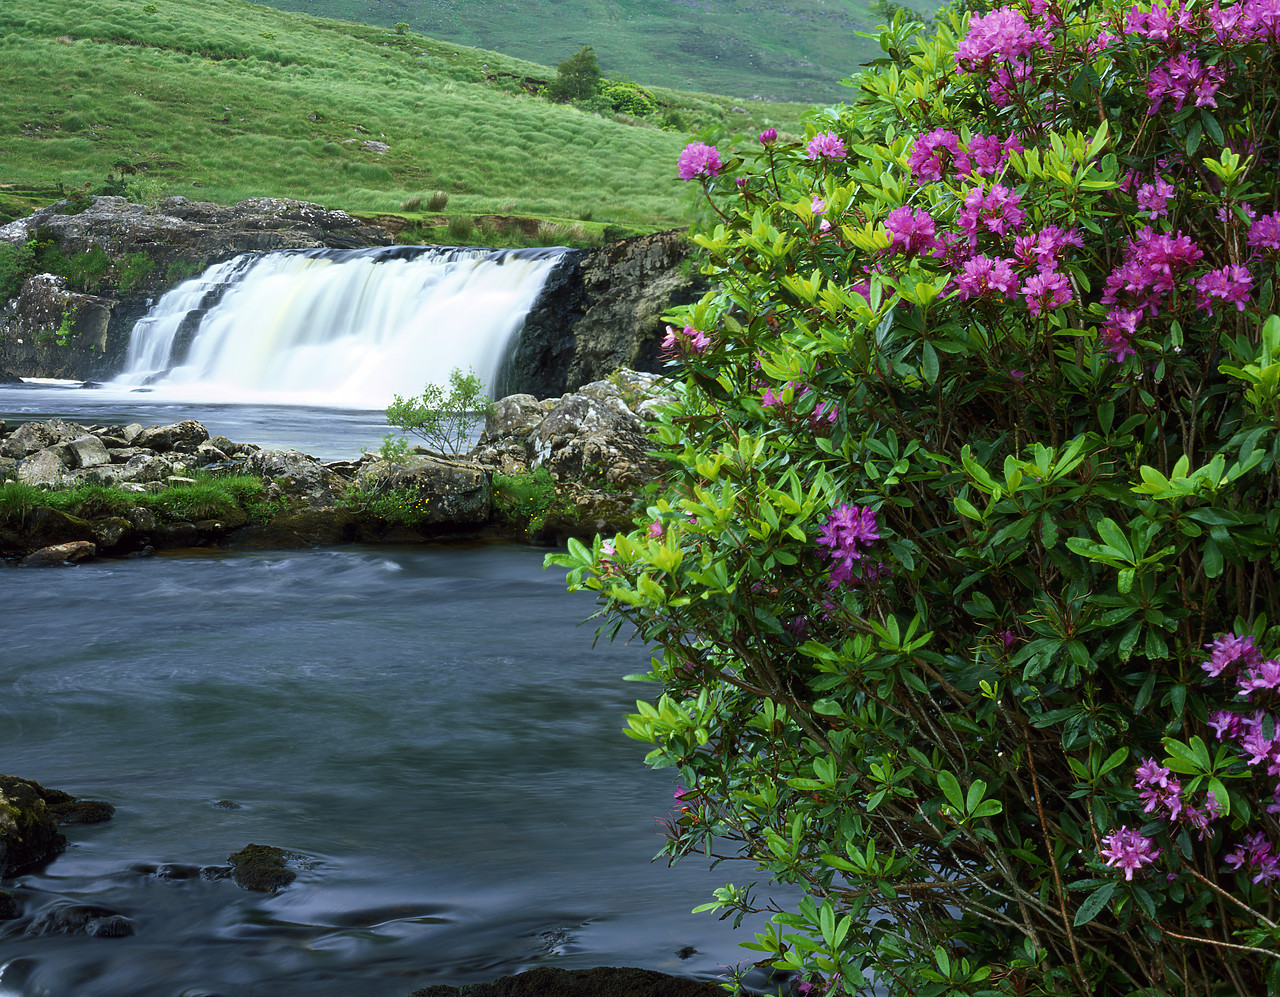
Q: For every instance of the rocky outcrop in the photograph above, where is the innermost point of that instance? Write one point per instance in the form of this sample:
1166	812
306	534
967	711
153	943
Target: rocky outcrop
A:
590	447
29	819
601	310
51	331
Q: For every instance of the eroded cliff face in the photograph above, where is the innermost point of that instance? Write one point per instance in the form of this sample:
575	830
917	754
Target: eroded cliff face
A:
49	330
599	310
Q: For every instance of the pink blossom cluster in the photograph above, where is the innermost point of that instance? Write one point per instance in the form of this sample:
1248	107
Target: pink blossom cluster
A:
1153	198
698	160
1128	850
997	37
1264	235
848	533
1255	855
940	153
687	340
1181	78
912	232
826	146
994	209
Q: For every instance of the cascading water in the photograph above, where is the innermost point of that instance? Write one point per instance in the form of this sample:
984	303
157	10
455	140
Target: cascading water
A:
336	328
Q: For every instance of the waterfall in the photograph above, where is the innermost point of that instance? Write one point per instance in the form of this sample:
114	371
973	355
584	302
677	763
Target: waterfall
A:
336	328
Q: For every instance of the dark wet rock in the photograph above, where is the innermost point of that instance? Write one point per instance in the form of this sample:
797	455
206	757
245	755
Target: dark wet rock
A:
76	811
10	907
303	528
113	534
226	805
72	552
550	981
80	919
29	832
264	868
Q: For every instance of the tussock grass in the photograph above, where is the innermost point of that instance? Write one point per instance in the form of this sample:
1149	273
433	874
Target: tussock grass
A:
198	97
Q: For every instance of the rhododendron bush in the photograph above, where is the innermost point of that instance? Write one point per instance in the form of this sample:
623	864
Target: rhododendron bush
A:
962	587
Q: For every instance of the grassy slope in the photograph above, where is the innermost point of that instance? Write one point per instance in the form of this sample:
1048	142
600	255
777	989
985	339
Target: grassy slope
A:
224	100
781	49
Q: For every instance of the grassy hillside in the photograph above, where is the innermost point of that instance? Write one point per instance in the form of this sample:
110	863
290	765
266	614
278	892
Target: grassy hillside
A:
777	49
222	100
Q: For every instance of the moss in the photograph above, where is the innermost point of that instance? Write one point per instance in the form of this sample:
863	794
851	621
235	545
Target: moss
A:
261	867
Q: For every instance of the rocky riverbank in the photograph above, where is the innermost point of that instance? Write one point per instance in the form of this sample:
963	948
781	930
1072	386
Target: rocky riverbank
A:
542	471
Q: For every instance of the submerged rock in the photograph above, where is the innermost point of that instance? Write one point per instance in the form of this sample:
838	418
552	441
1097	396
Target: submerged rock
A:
261	867
68	553
80	919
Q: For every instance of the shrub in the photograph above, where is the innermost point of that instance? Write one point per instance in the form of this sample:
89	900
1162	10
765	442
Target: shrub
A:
180	270
87	271
438	201
443	419
577	78
524	499
17	263
628	97
963	582
461	227
401	28
411	203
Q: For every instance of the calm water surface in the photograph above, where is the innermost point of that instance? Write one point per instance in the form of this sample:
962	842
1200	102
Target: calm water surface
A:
428	727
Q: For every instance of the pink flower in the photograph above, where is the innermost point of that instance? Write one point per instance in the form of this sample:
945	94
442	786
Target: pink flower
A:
1115	336
1154	198
1046	290
687	340
1128	850
848	529
999	36
655	529
1228	649
912	232
933	155
982	276
826	145
817	205
698	160
995	210
988	154
1230	284
1265	233
769	136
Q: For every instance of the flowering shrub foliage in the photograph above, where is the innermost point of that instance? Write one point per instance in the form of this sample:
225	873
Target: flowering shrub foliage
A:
963	587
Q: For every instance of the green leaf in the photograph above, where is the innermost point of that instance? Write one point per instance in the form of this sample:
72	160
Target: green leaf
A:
950	787
1094	903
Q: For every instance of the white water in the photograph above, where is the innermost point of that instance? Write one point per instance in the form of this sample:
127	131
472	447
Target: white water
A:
334	328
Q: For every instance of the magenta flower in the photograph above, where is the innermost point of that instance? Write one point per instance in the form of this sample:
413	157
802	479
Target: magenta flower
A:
988	154
817	205
1230	284
1114	337
1153	199
995	210
1227	650
1128	850
698	160
999	36
848	530
982	276
826	145
1265	233
655	529
1043	250
1261	677
1180	79
769	136
933	155
687	340
1046	290
912	231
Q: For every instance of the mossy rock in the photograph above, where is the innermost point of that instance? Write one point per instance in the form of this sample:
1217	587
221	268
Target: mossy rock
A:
41	527
261	867
10	909
29	832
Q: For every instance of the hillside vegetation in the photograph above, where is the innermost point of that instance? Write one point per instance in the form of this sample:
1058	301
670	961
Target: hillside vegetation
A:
222	100
776	49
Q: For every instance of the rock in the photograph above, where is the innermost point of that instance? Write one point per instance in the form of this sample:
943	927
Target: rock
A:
41	527
579	415
299	475
10	908
8	468
449	493
80	919
261	867
31	437
144	468
67	553
88	451
514	415
43	468
551	981
184	435
29	832
113	533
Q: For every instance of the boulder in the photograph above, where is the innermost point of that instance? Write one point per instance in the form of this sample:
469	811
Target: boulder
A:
87	451
261	867
185	435
43	468
448	493
80	919
68	553
29	832
31	437
299	476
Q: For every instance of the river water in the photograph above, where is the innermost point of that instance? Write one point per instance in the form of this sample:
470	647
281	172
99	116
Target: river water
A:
428	728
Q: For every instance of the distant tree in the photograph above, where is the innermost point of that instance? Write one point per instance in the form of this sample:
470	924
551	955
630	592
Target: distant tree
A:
577	78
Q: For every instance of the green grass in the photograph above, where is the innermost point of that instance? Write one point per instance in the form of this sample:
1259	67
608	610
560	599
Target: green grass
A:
222	100
209	497
795	50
